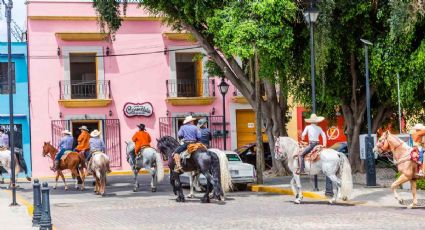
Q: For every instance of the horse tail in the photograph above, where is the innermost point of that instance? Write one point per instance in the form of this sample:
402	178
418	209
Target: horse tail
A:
224	173
346	177
159	167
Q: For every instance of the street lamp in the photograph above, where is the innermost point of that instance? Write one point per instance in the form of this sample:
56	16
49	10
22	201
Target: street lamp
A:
224	87
9	7
310	17
370	158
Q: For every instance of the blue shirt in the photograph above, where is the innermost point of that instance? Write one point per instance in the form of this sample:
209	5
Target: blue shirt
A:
189	132
205	136
96	144
66	142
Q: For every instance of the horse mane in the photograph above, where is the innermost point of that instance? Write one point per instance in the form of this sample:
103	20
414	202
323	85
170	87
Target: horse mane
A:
167	143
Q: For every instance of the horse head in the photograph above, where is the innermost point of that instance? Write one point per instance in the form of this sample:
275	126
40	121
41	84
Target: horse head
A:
279	152
383	145
166	146
47	148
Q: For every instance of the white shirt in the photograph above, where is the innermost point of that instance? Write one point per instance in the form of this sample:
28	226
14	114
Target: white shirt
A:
313	132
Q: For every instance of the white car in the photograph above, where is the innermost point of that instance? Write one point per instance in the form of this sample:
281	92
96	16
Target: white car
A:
241	173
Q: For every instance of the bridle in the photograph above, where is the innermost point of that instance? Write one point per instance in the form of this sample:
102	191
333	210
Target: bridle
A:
386	153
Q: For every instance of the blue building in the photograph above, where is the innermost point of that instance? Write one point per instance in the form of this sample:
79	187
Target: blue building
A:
20	98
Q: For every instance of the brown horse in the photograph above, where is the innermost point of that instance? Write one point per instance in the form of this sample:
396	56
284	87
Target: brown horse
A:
73	162
403	160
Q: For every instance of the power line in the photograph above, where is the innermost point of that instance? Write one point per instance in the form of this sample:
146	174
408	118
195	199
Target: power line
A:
115	55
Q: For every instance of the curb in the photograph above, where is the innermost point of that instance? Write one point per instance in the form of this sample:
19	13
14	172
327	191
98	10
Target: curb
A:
283	191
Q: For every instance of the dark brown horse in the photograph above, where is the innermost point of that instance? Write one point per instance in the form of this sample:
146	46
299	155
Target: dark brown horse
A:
73	162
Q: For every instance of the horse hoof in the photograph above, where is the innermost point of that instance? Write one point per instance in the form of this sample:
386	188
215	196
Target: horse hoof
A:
297	201
205	200
331	201
135	189
153	189
54	187
344	198
66	188
190	196
401	201
180	200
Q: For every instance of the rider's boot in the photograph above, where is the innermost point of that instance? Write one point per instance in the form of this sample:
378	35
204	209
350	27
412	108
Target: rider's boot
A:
300	170
178	168
89	167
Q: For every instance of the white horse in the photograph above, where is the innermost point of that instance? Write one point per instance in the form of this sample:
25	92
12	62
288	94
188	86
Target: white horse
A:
149	159
6	164
333	164
98	167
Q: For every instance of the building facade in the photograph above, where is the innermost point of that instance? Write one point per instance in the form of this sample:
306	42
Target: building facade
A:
20	97
146	73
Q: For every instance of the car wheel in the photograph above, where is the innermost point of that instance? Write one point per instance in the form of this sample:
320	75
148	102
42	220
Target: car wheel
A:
242	187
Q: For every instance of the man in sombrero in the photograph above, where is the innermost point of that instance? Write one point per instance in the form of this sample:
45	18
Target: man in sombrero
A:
418	134
313	131
189	133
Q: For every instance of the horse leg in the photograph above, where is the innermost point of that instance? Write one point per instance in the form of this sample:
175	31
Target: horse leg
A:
63	179
206	197
56	180
413	188
178	186
191	184
299	194
152	171
83	178
136	184
75	174
336	184
103	183
396	184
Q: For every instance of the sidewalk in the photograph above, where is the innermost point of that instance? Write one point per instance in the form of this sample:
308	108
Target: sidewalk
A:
13	218
379	197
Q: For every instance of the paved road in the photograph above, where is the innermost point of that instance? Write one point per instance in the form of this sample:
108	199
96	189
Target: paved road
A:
124	209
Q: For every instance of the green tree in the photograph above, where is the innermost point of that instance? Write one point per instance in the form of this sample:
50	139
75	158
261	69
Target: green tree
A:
395	28
230	29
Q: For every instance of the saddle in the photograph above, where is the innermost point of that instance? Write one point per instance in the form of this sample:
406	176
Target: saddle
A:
314	155
414	155
3	148
191	148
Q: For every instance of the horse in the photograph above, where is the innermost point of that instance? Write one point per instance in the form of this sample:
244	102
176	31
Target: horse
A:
149	159
212	165
73	161
6	164
333	164
19	161
402	159
99	167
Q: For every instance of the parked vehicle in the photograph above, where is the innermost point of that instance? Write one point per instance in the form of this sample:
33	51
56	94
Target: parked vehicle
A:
248	154
242	173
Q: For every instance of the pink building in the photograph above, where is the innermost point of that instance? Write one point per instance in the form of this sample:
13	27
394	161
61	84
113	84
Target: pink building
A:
147	74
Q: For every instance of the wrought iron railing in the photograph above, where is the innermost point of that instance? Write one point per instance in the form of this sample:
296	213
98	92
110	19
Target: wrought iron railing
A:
80	89
190	88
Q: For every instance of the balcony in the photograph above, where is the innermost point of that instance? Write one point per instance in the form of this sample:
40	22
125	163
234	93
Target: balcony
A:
182	92
84	93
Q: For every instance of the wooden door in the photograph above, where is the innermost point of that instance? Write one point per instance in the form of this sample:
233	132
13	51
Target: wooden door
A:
245	126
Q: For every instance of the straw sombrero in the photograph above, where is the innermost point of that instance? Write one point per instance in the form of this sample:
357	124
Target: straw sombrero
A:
66	132
84	128
189	119
202	122
314	119
418	126
95	133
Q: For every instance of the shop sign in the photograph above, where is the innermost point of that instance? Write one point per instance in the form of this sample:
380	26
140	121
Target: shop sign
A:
138	109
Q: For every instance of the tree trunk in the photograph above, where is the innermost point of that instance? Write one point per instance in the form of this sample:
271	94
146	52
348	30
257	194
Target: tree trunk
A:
258	120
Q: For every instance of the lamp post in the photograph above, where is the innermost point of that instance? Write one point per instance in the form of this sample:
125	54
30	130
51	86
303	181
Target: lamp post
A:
8	12
224	87
370	159
310	17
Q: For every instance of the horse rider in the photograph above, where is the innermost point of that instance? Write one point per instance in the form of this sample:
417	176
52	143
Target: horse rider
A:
4	139
141	139
83	141
206	136
96	145
313	131
65	144
189	133
418	134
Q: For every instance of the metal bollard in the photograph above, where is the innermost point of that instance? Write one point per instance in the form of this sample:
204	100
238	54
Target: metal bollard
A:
46	220
36	215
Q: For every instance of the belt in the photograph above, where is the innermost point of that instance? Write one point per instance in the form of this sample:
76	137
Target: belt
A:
313	142
189	142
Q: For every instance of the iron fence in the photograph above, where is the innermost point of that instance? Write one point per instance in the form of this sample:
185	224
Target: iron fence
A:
169	126
80	89
190	88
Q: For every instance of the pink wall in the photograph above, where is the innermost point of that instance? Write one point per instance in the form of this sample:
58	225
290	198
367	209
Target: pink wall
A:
138	78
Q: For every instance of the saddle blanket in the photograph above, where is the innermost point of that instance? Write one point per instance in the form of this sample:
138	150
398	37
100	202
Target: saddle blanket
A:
314	155
414	155
66	154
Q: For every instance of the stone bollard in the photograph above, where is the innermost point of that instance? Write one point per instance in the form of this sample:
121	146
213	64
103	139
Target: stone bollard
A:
36	215
46	220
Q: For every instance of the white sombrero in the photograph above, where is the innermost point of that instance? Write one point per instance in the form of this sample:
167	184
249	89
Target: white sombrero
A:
84	128
95	133
314	119
189	119
66	132
418	126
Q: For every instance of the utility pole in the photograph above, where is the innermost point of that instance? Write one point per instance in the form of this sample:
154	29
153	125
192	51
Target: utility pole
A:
9	7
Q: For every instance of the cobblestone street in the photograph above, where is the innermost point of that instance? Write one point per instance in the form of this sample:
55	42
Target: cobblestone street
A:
124	209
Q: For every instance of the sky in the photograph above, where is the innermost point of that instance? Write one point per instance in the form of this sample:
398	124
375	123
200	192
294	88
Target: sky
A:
18	15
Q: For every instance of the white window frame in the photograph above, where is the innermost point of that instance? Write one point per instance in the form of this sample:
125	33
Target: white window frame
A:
173	69
67	50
